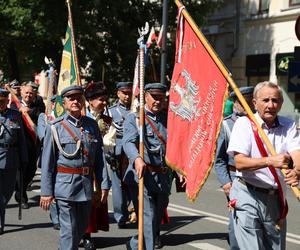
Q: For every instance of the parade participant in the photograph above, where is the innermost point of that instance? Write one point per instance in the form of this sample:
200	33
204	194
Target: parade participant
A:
96	95
33	109
72	157
258	190
120	194
43	121
16	87
13	152
224	164
153	168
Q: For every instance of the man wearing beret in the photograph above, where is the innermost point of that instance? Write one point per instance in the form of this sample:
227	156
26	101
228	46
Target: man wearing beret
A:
72	155
13	152
224	164
120	194
152	167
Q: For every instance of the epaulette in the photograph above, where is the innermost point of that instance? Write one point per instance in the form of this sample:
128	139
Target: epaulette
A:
58	119
113	106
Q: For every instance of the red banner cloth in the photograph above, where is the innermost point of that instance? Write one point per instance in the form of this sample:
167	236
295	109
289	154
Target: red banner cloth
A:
197	95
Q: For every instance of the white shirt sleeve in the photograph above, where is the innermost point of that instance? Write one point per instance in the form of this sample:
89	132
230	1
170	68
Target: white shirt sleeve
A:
240	138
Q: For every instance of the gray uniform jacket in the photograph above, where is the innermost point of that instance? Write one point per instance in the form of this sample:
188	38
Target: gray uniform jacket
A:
73	187
154	150
222	159
118	113
13	150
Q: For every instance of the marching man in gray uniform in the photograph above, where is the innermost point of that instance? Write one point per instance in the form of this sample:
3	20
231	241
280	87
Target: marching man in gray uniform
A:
72	157
120	193
153	168
13	152
224	164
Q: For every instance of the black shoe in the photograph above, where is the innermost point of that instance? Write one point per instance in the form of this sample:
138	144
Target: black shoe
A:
122	225
1	230
25	205
157	243
88	244
128	247
56	226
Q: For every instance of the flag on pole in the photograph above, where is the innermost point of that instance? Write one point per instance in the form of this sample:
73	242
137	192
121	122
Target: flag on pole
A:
159	38
197	96
68	74
151	37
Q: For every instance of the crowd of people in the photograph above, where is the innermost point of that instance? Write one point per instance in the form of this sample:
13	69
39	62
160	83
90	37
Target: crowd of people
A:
94	147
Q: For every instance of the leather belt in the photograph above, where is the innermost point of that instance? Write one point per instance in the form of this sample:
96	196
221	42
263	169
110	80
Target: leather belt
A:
155	169
7	145
81	171
269	191
231	168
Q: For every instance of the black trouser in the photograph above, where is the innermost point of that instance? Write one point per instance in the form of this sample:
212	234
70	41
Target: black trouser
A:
28	170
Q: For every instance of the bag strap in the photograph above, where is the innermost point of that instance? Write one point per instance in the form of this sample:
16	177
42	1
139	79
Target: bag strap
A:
263	152
159	135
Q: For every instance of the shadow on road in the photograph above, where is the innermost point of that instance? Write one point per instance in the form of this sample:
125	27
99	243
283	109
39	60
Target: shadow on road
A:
26	227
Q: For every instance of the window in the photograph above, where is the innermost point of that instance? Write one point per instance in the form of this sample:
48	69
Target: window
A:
264	6
294	2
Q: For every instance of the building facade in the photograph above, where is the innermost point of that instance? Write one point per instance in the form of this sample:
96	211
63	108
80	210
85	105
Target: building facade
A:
256	40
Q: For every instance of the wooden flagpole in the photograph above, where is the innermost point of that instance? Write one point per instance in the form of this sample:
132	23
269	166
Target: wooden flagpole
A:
141	147
141	74
232	84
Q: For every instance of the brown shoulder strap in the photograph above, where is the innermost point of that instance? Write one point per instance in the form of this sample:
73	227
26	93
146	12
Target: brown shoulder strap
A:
159	135
84	150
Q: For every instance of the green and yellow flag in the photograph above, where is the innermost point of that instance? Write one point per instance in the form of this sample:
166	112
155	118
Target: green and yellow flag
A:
68	74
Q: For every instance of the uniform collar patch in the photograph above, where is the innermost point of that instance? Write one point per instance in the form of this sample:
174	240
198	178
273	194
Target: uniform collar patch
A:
74	121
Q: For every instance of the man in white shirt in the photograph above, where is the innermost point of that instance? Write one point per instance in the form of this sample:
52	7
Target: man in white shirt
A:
259	198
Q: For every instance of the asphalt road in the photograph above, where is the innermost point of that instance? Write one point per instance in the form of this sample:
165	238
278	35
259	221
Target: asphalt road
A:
199	225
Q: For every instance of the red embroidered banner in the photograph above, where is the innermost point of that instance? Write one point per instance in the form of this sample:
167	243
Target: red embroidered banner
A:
197	94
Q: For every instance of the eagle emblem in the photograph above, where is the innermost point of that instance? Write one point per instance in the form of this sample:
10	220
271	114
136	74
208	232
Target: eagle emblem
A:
187	108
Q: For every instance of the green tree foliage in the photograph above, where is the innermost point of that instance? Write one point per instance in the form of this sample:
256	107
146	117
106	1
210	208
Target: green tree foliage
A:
105	32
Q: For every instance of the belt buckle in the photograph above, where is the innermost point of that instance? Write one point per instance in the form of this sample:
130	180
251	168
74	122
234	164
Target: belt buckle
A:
85	170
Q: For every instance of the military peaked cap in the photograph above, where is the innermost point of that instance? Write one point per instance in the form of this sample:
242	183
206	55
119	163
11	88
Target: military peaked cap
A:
123	85
71	90
14	84
243	90
154	87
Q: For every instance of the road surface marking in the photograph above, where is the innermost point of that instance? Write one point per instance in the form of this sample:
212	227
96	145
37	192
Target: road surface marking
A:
205	246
